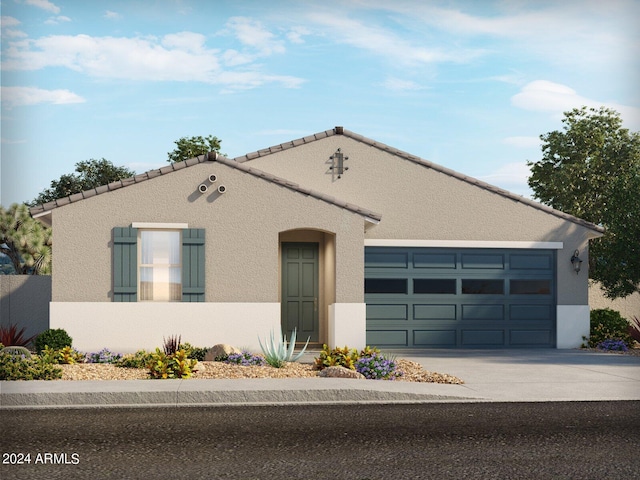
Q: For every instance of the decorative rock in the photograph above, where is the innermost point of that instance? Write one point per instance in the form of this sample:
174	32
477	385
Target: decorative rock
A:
340	372
220	350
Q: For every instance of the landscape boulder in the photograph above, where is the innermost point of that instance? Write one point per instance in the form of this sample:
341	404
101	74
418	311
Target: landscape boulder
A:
220	350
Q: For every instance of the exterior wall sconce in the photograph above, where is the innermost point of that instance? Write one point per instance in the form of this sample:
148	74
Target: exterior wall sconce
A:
576	261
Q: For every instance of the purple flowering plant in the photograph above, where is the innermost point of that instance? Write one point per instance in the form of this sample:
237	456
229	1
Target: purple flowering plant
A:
246	359
377	366
613	345
103	356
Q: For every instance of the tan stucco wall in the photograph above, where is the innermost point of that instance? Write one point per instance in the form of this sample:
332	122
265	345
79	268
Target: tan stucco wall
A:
421	203
242	234
628	307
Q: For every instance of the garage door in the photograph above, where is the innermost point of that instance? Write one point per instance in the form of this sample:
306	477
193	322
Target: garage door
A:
470	298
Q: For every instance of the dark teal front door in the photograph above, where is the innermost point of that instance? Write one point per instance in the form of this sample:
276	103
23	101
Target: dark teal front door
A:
300	290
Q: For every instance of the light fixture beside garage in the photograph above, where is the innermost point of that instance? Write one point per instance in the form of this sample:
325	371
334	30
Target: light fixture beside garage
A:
576	261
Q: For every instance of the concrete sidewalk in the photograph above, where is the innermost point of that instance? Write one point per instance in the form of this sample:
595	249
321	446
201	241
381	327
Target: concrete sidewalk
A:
489	376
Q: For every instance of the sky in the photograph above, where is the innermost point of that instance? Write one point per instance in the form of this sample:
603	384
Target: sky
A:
470	85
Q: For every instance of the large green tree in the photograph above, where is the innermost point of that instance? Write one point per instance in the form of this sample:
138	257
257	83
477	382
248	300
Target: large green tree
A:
591	169
190	147
88	174
25	241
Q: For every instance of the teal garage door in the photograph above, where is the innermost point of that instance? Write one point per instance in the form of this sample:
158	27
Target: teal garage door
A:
460	298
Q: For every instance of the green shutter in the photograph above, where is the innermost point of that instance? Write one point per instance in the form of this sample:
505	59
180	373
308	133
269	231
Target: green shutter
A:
125	264
193	265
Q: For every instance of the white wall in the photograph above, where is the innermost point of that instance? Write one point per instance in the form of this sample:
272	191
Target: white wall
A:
127	327
348	325
572	325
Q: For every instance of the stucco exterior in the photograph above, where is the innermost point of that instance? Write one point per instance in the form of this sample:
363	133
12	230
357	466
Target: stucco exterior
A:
384	196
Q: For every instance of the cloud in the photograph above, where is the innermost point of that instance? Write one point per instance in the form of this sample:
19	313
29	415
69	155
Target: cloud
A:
397	84
109	15
57	20
6	21
19	96
296	33
376	40
555	98
253	34
177	57
44	5
511	176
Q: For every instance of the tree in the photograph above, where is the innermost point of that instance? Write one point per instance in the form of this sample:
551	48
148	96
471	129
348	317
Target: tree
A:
192	147
89	174
591	170
25	241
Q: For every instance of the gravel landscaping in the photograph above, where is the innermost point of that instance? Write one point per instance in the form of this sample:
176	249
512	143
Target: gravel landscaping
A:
413	372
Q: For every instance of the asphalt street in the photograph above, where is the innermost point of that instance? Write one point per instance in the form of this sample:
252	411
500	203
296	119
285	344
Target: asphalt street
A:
555	440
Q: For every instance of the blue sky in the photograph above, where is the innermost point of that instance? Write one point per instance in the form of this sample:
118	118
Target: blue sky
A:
467	84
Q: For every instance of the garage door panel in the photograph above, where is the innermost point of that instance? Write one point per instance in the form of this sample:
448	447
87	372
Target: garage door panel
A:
434	260
388	338
531	261
434	312
387	312
482	312
435	338
472	298
531	338
483	338
483	261
531	312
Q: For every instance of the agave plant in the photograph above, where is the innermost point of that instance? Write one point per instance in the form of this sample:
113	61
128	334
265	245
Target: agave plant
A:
276	352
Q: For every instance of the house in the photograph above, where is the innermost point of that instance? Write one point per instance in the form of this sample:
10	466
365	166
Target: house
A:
348	240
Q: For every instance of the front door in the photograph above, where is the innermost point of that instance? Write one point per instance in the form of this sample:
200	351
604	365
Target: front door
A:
300	290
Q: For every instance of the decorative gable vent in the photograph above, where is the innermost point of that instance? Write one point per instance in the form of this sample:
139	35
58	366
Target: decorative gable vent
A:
337	165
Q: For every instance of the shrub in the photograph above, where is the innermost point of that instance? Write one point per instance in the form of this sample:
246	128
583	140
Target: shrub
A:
607	324
66	355
376	366
245	359
56	339
343	357
196	353
140	359
103	356
612	346
17	367
171	344
10	336
177	365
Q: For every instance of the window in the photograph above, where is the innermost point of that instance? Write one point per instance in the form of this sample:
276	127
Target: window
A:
160	269
434	285
483	287
385	285
158	262
530	287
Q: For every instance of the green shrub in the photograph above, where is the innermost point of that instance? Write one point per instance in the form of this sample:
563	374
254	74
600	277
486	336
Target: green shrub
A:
343	357
65	356
607	324
56	339
17	367
177	365
196	353
140	359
